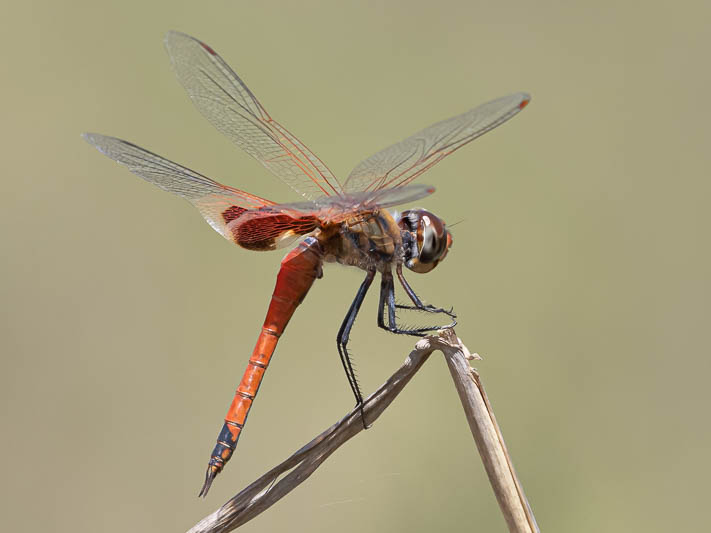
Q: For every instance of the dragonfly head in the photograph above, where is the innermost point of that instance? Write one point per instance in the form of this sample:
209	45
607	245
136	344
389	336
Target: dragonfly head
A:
425	239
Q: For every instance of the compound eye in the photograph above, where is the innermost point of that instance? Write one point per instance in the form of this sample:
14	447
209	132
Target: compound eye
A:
431	245
425	240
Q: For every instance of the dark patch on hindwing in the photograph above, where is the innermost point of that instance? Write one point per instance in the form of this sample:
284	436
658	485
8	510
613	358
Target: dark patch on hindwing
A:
232	213
263	232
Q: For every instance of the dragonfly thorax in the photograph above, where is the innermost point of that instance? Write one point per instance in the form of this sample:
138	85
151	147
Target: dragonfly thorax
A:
370	241
425	239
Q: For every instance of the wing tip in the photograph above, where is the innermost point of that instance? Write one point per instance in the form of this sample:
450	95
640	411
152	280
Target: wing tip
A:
92	138
525	100
99	141
175	38
171	36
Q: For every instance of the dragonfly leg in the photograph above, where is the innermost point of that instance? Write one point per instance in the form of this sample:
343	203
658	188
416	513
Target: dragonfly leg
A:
342	341
387	299
419	305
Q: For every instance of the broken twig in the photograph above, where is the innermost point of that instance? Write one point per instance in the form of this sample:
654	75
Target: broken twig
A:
269	488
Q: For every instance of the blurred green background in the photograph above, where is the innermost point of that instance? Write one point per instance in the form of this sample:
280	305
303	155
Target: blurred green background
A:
580	271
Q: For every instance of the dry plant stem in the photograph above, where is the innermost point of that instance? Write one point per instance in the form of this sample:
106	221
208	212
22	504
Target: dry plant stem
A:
268	489
487	435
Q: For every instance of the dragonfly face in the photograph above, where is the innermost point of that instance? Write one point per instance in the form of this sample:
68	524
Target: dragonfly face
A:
341	220
426	240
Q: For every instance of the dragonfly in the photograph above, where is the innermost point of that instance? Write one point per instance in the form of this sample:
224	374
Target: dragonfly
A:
348	222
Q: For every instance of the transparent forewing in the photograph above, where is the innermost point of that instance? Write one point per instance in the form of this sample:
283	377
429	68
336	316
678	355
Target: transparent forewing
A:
219	204
223	98
401	163
334	209
385	198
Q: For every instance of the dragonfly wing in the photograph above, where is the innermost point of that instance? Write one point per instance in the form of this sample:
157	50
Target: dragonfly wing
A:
385	198
223	98
401	163
336	209
271	228
218	203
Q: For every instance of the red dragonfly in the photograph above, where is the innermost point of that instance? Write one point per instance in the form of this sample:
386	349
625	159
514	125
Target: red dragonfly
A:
343	222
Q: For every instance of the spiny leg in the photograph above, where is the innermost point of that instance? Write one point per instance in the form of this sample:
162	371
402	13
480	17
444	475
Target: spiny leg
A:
387	298
342	341
419	305
386	288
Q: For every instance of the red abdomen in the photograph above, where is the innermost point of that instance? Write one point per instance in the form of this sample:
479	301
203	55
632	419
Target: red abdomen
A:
299	269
